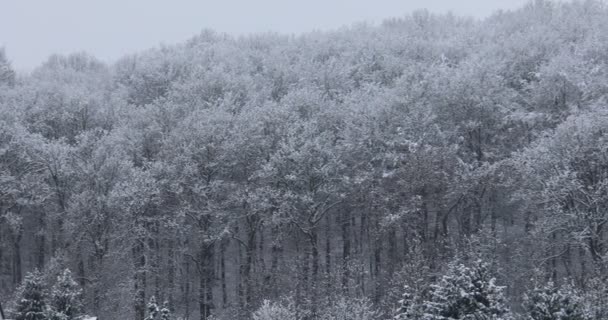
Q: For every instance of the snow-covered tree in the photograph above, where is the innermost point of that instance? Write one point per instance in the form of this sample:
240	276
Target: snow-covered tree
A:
165	311
466	293
30	304
350	309
153	309
275	311
65	298
550	302
409	306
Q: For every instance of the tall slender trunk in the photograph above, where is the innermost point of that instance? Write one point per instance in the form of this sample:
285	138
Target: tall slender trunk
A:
582	257
328	282
17	272
2	270
346	237
360	242
261	262
250	251
553	253
314	279
139	259
81	270
156	263
204	308
186	282
206	279
224	245
98	269
41	240
171	270
274	264
249	257
302	276
392	251
240	291
376	270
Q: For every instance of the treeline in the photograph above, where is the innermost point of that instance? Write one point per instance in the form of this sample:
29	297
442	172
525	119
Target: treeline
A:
314	170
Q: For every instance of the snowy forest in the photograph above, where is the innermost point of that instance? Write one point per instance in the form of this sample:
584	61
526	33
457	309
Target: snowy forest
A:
431	167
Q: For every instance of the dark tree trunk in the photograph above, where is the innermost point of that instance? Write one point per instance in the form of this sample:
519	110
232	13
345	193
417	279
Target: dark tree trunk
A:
345	219
314	279
206	277
139	259
156	262
392	251
328	255
41	239
17	272
186	282
274	264
224	245
171	270
249	258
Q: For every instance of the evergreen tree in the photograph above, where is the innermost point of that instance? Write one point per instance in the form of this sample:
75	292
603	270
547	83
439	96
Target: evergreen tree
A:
548	302
30	298
153	309
466	293
409	306
275	311
66	298
165	312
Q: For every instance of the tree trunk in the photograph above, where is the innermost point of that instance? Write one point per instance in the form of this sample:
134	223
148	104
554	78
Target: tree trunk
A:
274	264
139	259
17	272
224	245
249	258
206	277
314	279
186	282
345	219
171	270
328	255
41	240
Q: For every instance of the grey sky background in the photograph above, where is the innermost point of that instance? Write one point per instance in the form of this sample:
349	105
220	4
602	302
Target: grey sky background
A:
31	30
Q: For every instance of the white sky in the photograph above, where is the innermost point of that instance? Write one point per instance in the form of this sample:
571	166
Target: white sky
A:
31	30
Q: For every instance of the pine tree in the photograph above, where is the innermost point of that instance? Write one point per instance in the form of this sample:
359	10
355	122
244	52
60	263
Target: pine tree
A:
466	293
548	302
275	311
409	306
66	298
153	309
30	298
165	312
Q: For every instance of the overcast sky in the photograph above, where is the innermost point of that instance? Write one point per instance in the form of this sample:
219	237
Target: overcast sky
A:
31	30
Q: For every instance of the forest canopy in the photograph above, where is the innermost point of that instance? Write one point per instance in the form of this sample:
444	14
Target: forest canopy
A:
430	167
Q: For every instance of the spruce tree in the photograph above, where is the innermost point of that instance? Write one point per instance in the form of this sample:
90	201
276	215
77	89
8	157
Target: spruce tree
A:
153	309
466	293
30	298
165	312
409	306
548	302
65	298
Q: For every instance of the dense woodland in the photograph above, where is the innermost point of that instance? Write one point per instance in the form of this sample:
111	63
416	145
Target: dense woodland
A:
330	175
